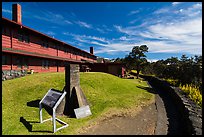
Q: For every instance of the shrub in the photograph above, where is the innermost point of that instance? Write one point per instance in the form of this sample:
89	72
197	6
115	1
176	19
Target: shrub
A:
193	93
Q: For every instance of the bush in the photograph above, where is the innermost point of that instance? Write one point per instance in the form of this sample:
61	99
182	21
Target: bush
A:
193	93
173	82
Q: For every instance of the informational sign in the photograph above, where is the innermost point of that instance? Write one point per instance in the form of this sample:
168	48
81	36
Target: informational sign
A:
51	98
82	112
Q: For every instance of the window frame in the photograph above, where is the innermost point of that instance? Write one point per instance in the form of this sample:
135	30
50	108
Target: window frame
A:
45	43
23	36
45	64
4	59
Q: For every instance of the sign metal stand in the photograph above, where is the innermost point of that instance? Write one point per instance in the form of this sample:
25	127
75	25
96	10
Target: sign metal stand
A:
52	99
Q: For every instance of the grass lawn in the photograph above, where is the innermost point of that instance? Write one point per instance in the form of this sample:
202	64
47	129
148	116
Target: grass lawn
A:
105	93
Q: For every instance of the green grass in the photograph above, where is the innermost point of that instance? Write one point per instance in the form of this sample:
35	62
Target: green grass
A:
105	93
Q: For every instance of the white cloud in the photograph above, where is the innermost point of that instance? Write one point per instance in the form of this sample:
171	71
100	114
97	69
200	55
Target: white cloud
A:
97	43
51	17
176	3
193	11
172	34
179	30
83	24
152	60
100	41
183	36
6	11
106	28
131	30
133	21
162	11
87	37
68	22
197	6
133	12
171	37
50	33
100	30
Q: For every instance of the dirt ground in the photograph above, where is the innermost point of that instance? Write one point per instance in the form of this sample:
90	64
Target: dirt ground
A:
143	123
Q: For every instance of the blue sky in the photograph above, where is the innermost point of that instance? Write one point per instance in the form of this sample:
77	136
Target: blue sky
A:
113	28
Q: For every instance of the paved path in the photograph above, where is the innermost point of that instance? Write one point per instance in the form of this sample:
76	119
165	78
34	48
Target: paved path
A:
142	124
158	118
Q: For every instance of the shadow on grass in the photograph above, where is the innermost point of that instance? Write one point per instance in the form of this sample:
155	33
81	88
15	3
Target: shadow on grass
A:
28	125
151	90
35	103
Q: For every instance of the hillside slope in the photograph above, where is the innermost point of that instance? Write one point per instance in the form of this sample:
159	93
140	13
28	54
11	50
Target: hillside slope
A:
105	93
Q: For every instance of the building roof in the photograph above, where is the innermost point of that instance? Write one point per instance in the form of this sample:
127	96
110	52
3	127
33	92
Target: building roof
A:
39	33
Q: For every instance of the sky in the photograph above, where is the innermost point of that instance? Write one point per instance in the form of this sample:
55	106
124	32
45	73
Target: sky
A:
169	29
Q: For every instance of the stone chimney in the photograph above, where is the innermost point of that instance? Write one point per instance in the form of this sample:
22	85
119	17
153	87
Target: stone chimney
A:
91	50
16	13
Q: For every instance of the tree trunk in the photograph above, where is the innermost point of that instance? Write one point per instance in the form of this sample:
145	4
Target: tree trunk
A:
138	72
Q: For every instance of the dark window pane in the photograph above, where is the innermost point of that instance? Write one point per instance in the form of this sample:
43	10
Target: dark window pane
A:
19	62
4	60
47	64
3	30
25	63
27	39
20	35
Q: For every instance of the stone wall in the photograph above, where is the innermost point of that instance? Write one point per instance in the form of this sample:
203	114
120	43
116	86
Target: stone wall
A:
72	79
191	113
11	74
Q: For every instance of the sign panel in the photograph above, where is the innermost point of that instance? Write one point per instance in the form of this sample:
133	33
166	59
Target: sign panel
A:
51	98
82	112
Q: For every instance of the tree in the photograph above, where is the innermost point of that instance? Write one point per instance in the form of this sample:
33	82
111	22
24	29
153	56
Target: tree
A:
137	57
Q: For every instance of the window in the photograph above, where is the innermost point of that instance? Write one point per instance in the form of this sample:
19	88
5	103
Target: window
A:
4	60
73	52
45	44
45	64
23	37
20	36
54	45
3	30
20	61
25	63
66	50
62	48
26	39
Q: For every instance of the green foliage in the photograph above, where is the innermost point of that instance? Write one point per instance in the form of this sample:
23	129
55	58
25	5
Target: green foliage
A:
103	91
173	82
193	93
136	58
185	70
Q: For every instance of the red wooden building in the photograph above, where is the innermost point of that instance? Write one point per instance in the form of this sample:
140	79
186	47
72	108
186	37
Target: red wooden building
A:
117	69
24	48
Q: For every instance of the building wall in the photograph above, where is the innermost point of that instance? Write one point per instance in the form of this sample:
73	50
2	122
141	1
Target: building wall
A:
19	62
10	39
114	69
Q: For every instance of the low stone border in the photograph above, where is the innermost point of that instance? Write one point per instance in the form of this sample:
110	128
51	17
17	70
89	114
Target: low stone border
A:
11	74
191	113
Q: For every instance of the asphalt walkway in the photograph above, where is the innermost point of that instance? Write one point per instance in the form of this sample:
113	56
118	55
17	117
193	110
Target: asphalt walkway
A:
158	118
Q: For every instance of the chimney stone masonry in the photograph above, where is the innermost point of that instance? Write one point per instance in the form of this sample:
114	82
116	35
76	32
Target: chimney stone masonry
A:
16	13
